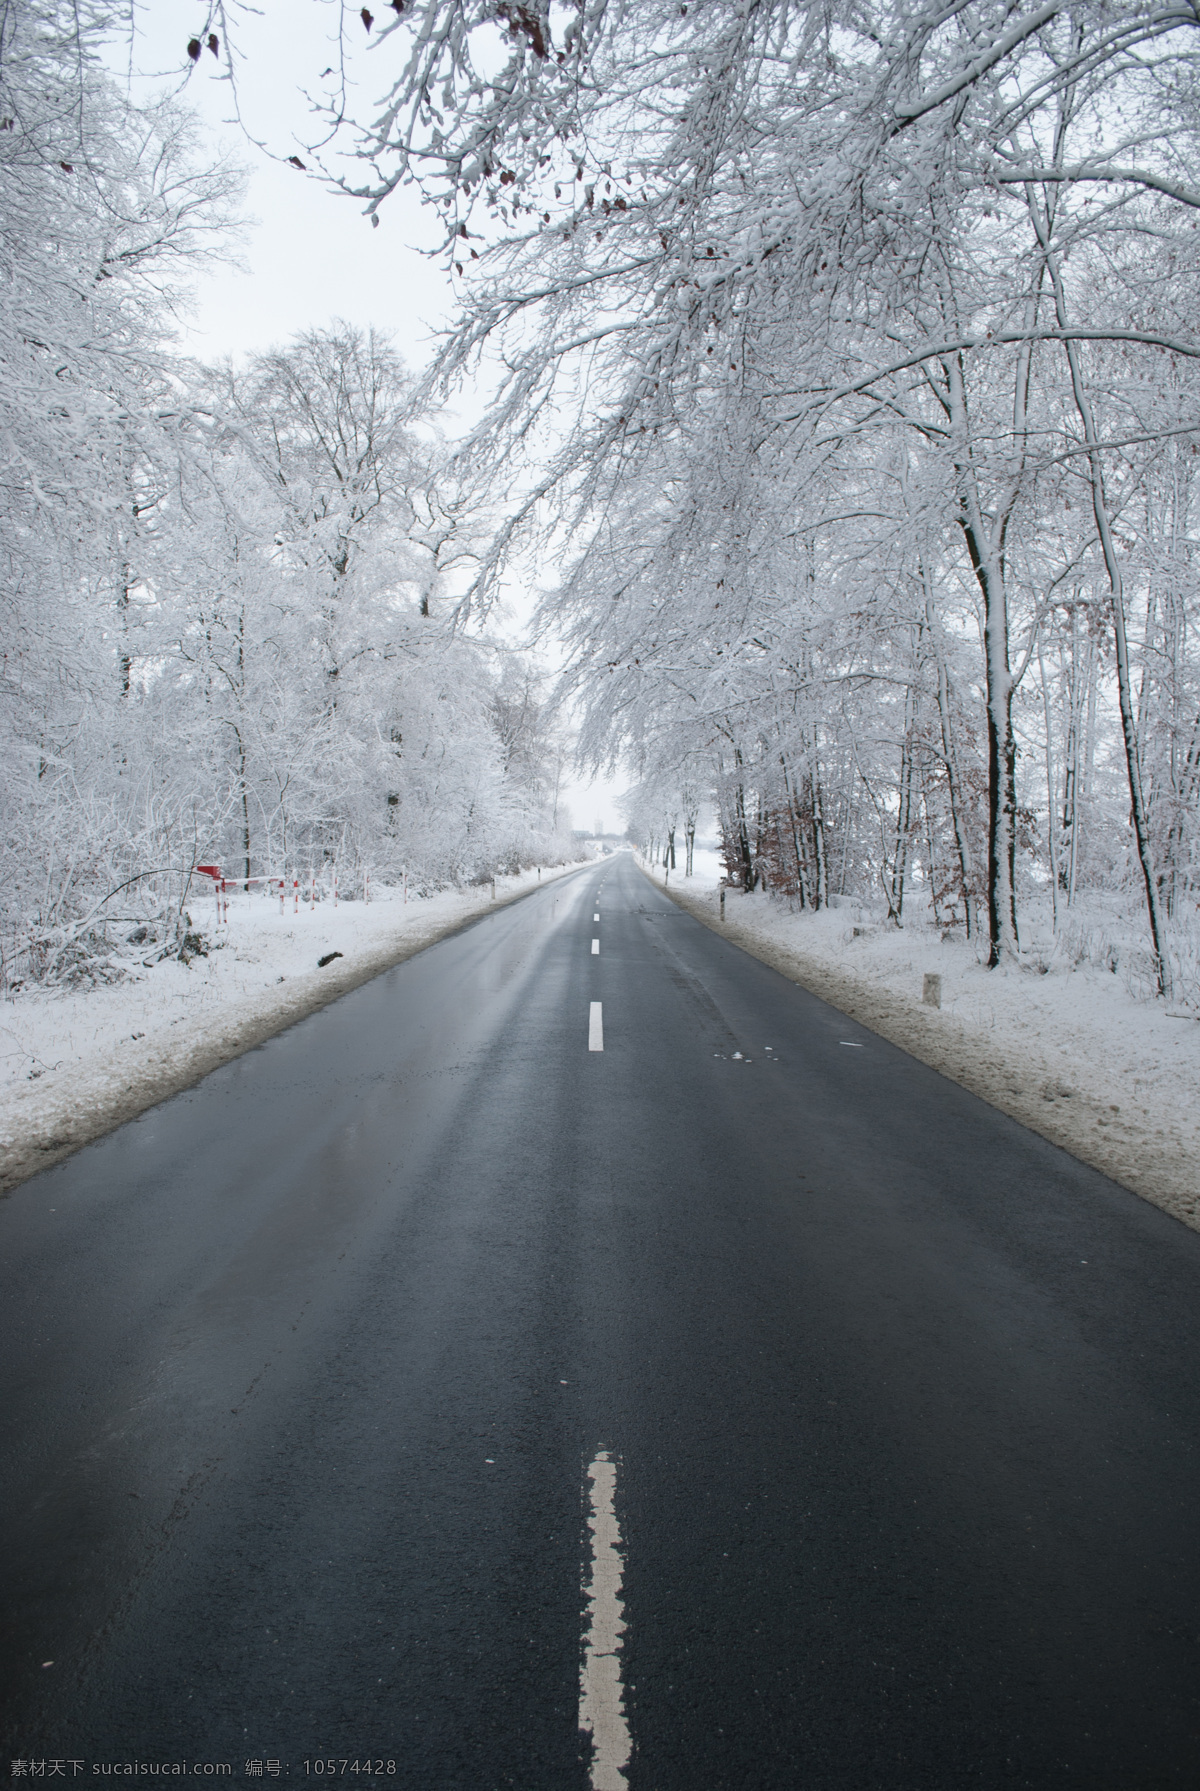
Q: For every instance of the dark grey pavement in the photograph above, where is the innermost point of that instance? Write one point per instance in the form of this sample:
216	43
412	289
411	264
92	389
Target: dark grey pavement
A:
303	1370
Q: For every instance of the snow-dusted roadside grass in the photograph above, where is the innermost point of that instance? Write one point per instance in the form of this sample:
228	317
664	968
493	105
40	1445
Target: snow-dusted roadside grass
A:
74	1065
1070	1043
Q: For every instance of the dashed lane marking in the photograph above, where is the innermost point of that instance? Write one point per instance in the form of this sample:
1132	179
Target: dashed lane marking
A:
596	1026
601	1692
595	948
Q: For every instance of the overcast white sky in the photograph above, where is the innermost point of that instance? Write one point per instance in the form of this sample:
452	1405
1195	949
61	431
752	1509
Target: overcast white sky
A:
309	254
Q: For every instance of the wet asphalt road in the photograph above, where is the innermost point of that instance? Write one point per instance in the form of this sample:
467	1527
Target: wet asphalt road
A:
303	1370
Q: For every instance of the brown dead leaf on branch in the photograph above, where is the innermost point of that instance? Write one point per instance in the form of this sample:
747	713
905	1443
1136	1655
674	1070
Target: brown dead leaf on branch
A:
522	20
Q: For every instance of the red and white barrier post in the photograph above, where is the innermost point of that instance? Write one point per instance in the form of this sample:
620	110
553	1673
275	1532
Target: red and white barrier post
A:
213	871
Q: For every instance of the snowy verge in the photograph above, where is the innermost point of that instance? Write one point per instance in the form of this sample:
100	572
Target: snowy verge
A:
74	1066
1068	1051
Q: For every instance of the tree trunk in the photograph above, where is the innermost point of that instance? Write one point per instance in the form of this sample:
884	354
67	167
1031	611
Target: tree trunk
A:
1116	583
966	868
1071	772
1051	792
794	825
1185	796
987	565
820	861
745	856
904	809
245	795
125	657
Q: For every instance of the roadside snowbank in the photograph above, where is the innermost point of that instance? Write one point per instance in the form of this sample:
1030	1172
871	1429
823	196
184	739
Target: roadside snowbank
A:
1071	1051
73	1066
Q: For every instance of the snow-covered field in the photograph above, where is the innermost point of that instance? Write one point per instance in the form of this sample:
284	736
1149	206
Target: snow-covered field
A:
1069	1046
73	1065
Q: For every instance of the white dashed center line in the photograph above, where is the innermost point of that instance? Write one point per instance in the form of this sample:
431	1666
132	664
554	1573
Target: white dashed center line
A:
601	1694
596	1026
595	948
596	918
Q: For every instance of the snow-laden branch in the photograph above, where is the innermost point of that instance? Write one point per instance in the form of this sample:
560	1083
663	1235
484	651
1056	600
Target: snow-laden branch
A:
940	351
907	112
1079	172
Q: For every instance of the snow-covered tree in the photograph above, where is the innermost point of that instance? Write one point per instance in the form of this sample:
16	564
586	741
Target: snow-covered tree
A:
939	261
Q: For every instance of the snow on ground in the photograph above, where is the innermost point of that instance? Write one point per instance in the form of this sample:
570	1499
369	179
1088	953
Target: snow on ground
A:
74	1065
1072	1048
